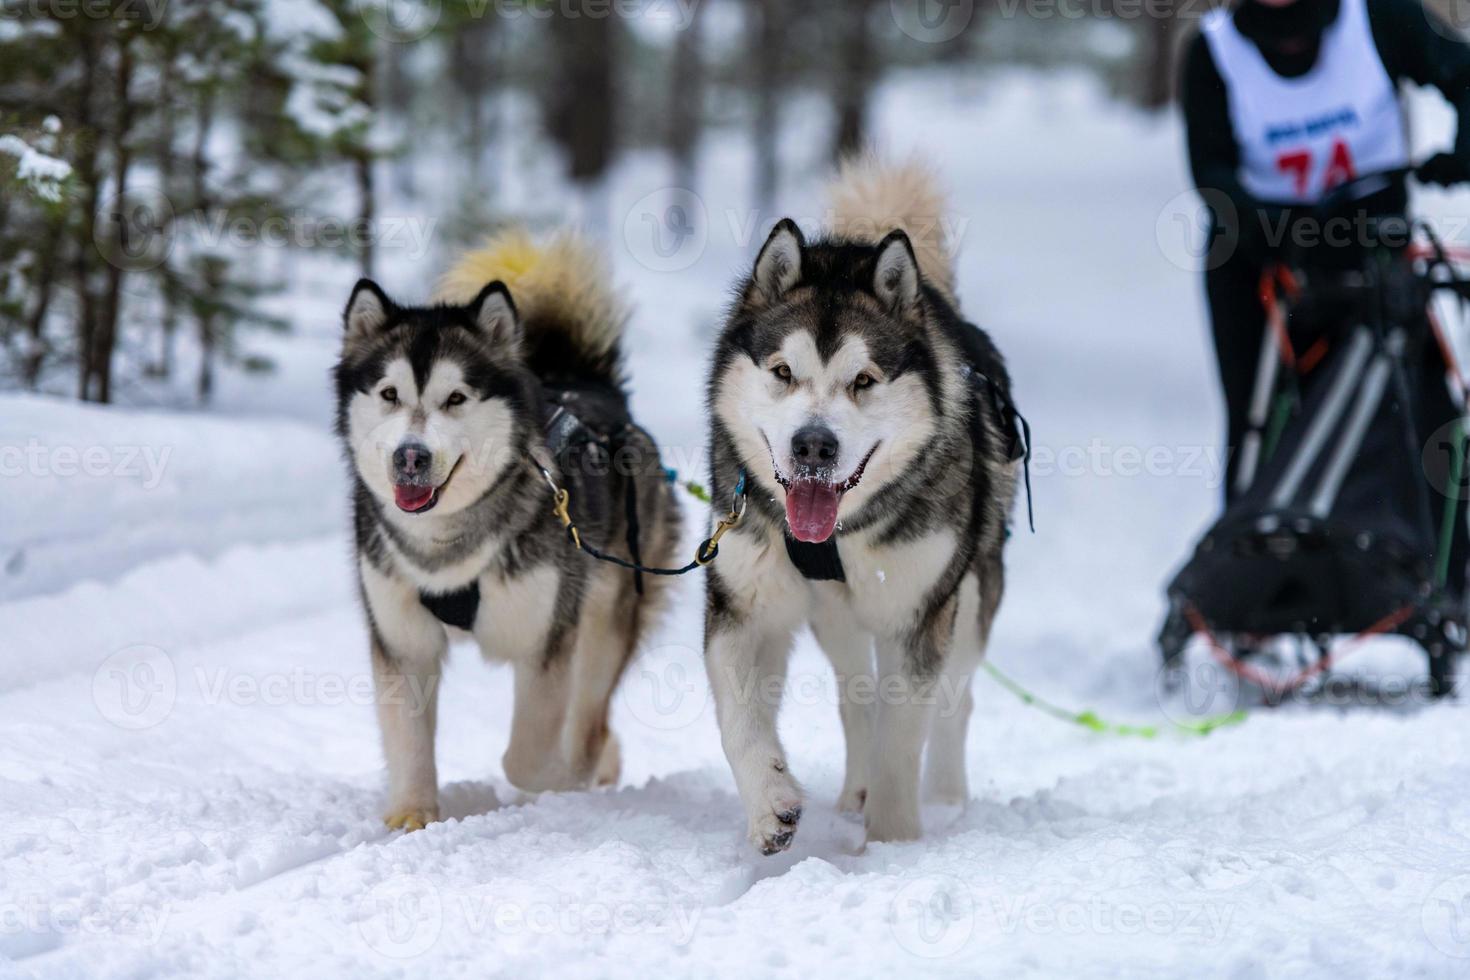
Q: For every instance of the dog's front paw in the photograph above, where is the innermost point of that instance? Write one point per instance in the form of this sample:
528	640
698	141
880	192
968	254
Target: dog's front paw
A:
775	815
411	818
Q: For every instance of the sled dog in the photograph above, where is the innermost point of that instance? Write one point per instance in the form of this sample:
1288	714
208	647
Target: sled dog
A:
448	414
874	430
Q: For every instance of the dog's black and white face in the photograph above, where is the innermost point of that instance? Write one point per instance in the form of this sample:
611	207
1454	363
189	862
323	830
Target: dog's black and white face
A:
432	401
832	380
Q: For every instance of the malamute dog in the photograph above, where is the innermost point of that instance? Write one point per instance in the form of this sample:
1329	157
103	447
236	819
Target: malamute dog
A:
873	426
449	413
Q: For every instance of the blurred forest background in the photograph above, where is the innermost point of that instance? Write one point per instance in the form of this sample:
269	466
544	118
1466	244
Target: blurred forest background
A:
146	145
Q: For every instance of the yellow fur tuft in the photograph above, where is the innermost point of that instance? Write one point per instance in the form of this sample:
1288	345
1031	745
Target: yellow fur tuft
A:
562	283
871	198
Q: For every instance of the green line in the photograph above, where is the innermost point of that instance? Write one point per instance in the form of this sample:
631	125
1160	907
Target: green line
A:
1451	507
1091	721
1279	416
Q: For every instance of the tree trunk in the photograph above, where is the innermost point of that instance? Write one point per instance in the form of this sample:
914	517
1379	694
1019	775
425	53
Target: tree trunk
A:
47	262
85	246
106	335
472	73
366	209
765	37
204	310
854	76
585	96
686	99
212	271
167	175
363	161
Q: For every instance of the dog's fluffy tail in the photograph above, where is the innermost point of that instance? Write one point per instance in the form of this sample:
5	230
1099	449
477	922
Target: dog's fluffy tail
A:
871	198
573	320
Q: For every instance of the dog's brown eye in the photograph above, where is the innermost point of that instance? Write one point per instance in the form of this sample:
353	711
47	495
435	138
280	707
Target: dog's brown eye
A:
457	398
864	380
390	395
782	371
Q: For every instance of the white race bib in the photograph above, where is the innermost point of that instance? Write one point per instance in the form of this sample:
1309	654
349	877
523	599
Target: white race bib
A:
1301	137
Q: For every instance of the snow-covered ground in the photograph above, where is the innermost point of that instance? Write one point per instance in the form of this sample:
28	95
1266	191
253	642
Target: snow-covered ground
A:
189	767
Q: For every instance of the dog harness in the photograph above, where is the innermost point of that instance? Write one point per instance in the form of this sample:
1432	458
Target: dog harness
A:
817	562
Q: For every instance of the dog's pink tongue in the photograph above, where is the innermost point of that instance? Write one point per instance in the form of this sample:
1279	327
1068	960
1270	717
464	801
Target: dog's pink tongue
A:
811	510
411	498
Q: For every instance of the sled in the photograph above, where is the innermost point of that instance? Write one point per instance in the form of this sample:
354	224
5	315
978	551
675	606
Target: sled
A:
1334	534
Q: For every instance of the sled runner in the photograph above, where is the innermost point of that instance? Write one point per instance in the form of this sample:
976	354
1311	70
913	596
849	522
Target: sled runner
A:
1346	503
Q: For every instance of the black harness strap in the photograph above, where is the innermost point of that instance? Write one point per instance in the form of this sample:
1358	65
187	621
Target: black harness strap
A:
817	562
454	608
1018	444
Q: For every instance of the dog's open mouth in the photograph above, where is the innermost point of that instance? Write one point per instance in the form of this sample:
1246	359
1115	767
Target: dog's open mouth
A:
812	502
416	498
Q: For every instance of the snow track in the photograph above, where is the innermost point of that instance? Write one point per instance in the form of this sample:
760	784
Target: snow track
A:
190	775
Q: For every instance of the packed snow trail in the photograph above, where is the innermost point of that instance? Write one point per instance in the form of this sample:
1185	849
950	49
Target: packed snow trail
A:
190	775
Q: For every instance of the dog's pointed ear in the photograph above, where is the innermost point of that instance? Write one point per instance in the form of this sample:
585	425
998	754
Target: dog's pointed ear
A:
494	313
778	266
896	274
367	312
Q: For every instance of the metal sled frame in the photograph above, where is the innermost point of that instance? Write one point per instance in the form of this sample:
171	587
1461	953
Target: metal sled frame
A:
1297	525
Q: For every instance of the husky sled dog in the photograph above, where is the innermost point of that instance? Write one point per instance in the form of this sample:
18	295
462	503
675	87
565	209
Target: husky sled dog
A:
874	428
448	413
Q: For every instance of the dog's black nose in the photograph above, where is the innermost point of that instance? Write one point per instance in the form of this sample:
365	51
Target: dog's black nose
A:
814	446
412	460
